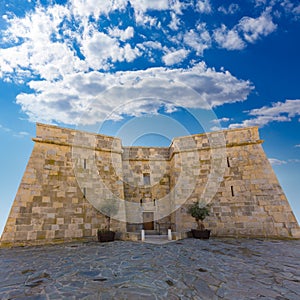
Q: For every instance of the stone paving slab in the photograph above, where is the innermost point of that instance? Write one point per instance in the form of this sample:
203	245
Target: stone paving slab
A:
186	269
157	239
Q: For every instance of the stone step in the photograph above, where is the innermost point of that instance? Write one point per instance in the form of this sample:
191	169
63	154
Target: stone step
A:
151	232
157	236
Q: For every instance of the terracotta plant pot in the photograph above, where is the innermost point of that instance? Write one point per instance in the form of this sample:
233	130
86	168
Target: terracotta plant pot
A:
106	236
201	234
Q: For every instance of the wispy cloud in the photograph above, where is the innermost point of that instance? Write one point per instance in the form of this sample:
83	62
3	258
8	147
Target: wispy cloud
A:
277	112
175	57
276	162
5	129
204	6
248	30
230	10
217	121
294	160
253	29
198	39
11	132
229	39
291	7
21	134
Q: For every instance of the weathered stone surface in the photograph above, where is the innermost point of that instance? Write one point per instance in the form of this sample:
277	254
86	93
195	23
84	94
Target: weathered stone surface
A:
190	269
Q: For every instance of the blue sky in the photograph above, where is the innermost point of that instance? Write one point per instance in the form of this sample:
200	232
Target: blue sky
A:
149	70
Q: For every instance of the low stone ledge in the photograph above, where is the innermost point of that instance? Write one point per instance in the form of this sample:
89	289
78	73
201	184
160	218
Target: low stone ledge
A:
128	236
179	235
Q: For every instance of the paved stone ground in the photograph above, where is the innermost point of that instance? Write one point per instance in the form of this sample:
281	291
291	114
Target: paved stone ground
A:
187	269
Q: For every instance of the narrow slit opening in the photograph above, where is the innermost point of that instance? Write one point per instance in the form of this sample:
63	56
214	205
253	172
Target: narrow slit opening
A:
228	162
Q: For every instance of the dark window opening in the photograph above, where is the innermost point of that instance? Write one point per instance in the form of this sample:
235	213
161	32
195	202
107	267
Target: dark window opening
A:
228	162
146	178
84	192
232	192
84	163
141	202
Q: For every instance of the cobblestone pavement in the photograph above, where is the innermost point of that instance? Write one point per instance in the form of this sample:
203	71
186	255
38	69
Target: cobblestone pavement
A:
187	269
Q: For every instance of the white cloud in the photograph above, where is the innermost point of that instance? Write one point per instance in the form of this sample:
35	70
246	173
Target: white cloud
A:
83	9
217	121
199	39
177	6
218	124
204	6
175	57
278	112
216	128
294	160
144	5
232	9
297	146
153	45
39	53
260	121
287	5
276	162
21	134
248	28
175	21
291	7
100	48
253	29
43	43
228	39
142	19
260	2
296	10
47	46
65	64
129	53
67	100
5	129
124	35
289	107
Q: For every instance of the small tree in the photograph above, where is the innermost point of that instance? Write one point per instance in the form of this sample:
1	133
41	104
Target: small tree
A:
109	209
199	211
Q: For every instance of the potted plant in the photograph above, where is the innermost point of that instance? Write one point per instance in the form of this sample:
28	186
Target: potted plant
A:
109	209
199	211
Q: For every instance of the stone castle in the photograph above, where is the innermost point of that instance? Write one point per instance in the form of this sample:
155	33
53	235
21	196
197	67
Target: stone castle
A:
71	173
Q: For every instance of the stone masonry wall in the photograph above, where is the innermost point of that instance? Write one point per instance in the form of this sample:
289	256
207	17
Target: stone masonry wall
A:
70	174
152	196
50	204
245	196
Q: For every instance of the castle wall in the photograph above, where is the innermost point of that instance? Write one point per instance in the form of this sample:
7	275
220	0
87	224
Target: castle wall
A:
250	200
240	185
146	186
70	174
50	204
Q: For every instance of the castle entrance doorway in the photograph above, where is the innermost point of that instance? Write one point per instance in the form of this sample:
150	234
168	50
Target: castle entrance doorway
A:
148	220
